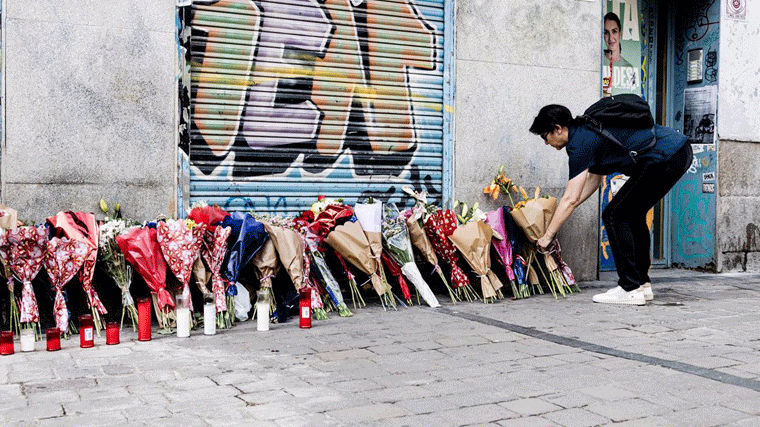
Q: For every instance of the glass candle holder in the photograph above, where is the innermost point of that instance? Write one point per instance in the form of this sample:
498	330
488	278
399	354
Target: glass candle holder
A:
53	337
262	310
6	342
304	305
112	333
182	310
209	318
86	331
27	339
143	319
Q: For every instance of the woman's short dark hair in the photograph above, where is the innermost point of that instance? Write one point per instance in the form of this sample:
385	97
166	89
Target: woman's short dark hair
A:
612	16
550	116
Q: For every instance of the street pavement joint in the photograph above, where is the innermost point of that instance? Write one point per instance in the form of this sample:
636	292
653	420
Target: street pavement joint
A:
609	351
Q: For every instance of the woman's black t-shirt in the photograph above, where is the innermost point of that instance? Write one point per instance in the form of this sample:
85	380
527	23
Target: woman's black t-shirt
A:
586	149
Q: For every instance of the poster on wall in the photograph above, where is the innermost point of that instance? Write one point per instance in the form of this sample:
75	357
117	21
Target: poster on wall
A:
621	59
700	110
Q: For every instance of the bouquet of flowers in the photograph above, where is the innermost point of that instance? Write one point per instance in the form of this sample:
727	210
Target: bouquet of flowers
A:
533	215
23	250
395	270
503	247
213	251
141	249
398	244
83	227
420	241
247	236
370	216
63	259
314	228
180	242
473	240
114	264
350	241
439	226
266	265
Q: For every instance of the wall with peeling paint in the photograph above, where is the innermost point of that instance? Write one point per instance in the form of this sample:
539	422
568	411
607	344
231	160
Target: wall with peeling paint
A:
89	107
738	206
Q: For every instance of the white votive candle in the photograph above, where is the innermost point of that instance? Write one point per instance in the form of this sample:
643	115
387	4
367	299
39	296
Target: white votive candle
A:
27	340
209	318
262	316
183	322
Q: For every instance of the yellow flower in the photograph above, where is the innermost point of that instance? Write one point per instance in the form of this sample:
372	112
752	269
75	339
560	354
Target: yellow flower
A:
523	193
492	190
103	206
537	193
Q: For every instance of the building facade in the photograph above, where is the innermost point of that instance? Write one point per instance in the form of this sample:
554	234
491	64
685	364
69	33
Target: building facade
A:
266	104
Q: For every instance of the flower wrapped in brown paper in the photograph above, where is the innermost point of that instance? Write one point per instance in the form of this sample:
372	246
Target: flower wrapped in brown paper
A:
266	265
533	217
351	243
474	243
422	243
290	249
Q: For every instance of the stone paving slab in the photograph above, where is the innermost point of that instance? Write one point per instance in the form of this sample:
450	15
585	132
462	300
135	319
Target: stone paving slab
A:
691	357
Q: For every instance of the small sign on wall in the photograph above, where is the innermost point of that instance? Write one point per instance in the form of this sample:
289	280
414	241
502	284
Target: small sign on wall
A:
736	9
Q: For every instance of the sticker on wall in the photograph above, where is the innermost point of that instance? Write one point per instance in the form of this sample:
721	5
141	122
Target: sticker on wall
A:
736	9
700	112
708	177
708	187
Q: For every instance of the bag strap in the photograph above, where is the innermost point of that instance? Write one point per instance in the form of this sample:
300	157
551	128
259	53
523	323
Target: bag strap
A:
598	128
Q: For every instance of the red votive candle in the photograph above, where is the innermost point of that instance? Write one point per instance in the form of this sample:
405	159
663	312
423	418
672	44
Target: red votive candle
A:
53	339
304	305
86	331
112	333
143	319
6	342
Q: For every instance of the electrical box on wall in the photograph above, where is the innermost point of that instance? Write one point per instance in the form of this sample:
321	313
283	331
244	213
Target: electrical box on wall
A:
696	59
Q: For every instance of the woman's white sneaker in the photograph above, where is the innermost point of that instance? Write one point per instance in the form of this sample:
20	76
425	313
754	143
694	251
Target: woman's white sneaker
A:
618	295
646	288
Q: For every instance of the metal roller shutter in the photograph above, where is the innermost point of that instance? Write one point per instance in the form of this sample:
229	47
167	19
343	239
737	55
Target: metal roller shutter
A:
292	99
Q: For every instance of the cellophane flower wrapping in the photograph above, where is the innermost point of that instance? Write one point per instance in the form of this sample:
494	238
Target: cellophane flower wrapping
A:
117	268
209	215
63	259
180	244
141	249
438	227
23	249
213	251
290	249
247	236
503	248
83	226
399	245
474	243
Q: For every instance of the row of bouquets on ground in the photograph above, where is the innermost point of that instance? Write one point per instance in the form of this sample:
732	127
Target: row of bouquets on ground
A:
369	250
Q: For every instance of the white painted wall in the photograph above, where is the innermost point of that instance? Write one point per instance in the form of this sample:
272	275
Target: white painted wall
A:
739	76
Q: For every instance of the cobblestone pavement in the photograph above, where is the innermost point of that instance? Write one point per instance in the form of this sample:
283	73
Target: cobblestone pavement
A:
689	358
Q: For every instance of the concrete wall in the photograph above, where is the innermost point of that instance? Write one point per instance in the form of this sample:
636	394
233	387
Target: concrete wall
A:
512	59
738	209
89	107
